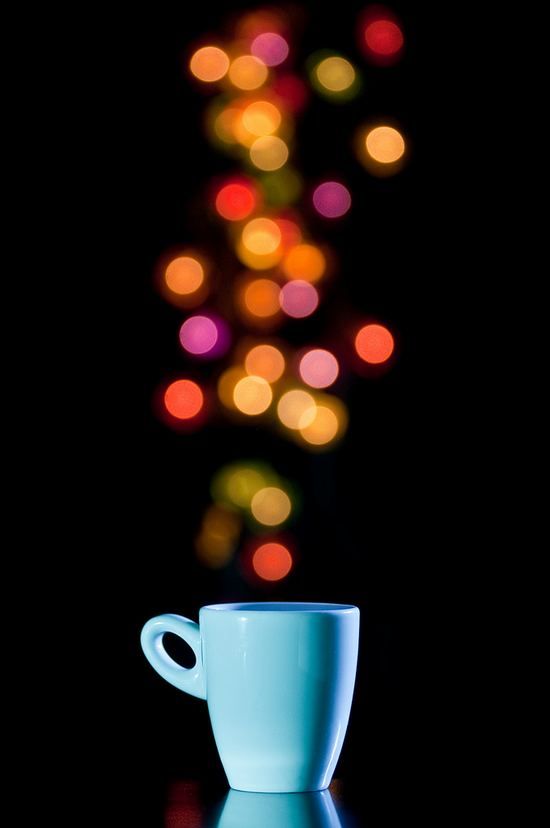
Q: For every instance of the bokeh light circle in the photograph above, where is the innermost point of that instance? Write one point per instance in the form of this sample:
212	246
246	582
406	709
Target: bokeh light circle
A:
331	199
374	344
261	118
216	541
271	48
259	261
385	144
291	233
198	334
247	72
226	384
269	153
335	74
237	483
184	275
219	521
322	429
272	561
252	395
235	201
282	187
183	399
304	261
209	64
384	37
225	124
319	368
271	506
265	361
298	299
296	409
261	236
261	298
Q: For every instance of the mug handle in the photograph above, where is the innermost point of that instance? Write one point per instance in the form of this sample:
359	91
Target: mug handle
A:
190	680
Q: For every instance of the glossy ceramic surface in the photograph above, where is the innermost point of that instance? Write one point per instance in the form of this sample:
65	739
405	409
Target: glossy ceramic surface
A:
278	679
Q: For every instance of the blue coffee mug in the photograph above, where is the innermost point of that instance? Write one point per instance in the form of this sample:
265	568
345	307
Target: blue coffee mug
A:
278	679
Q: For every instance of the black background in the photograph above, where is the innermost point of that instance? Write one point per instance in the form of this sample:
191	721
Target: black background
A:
366	532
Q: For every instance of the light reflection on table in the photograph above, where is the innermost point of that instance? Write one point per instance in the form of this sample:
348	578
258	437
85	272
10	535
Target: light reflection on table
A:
188	806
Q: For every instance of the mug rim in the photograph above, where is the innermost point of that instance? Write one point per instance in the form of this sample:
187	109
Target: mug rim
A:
281	607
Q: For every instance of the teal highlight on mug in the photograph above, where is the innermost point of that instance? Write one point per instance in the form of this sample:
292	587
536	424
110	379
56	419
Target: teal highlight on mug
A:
278	679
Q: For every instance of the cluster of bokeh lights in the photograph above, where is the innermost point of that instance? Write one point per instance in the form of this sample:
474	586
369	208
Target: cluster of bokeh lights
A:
248	497
276	273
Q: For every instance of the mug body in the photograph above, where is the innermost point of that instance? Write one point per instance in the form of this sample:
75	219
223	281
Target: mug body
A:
279	687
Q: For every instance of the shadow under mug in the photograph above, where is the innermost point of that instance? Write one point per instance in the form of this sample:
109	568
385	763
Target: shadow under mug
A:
278	679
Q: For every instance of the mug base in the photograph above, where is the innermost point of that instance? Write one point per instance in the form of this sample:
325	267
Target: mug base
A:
276	790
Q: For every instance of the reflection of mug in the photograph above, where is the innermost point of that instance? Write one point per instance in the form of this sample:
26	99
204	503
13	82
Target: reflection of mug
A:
279	682
268	810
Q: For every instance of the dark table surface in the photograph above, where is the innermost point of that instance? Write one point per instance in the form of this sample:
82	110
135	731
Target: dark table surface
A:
193	803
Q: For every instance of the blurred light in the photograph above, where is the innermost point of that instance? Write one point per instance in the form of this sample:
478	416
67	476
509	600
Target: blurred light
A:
236	200
209	64
198	334
217	539
183	399
335	74
261	236
298	299
304	261
319	368
383	37
261	298
269	153
221	522
331	199
326	427
238	483
282	187
205	336
322	429
265	361
227	383
261	118
385	144
271	506
241	133
291	91
252	395
271	48
243	483
215	552
224	124
258	261
255	23
247	72
272	561
374	344
184	275
296	409
184	808
291	233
